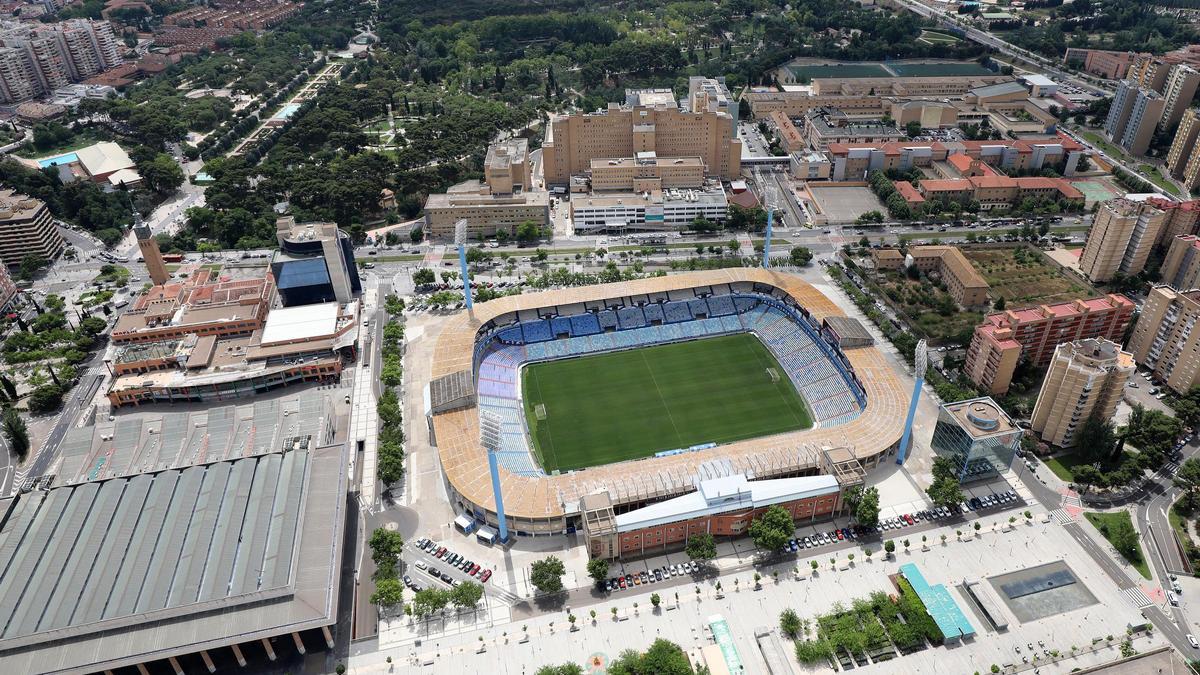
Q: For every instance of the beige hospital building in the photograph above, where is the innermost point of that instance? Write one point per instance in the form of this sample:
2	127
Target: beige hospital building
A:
649	123
502	201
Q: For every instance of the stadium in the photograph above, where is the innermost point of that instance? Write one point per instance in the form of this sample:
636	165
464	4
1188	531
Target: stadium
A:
640	390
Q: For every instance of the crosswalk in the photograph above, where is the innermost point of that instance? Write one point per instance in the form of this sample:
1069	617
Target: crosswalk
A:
1062	516
1136	597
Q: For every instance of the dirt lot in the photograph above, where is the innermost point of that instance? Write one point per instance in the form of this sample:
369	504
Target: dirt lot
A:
1023	276
844	204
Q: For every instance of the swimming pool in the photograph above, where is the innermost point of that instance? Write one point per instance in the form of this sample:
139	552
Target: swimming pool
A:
287	111
61	159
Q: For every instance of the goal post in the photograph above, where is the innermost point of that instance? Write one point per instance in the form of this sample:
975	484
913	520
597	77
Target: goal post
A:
539	411
773	374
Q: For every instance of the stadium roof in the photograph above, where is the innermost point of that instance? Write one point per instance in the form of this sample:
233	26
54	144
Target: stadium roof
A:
118	572
724	494
300	323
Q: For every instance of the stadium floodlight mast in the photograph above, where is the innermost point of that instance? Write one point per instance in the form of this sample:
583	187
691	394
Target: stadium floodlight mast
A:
921	360
771	201
460	238
489	436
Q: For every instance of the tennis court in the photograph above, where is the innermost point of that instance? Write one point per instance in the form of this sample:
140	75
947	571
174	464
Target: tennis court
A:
1097	190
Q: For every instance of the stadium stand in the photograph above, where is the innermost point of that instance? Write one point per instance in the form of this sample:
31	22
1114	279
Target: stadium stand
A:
817	369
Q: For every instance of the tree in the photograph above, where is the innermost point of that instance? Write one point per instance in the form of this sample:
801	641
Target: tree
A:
31	264
417	234
161	174
789	623
801	255
598	569
394	304
655	599
429	600
1096	439
541	255
999	304
564	669
1124	538
386	546
44	399
772	530
546	575
663	658
423	277
16	432
864	504
1188	476
701	547
913	129
889	547
466	595
945	489
528	231
388	593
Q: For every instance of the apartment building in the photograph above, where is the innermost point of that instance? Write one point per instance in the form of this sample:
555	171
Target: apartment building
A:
8	288
26	228
1181	267
1182	218
1165	339
963	282
1183	146
1178	92
1084	379
1183	159
1033	333
1122	236
649	121
36	59
1133	116
1149	72
1108	64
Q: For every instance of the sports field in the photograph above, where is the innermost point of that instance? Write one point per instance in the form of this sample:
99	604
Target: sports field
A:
624	405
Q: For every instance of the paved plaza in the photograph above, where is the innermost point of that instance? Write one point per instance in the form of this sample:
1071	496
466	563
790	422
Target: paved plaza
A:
844	204
682	618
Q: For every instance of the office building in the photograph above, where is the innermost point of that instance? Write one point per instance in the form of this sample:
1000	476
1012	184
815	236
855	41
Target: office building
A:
314	263
1133	116
1085	379
36	59
1033	333
1121	238
26	228
999	191
720	507
852	161
503	201
1178	92
655	210
825	126
965	285
648	121
977	436
1166	340
151	255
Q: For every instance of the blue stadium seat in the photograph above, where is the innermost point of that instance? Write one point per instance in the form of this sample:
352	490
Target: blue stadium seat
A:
584	324
560	325
653	313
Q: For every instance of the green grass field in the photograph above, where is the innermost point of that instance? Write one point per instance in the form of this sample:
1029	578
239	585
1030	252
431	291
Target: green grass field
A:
625	405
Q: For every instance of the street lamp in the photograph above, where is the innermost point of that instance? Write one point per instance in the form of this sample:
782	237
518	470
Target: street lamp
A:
921	360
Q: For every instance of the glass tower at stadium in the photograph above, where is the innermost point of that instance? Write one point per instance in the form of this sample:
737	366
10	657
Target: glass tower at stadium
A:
977	436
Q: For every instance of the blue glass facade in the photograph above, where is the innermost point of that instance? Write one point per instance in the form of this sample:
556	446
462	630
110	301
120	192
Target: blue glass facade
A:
977	436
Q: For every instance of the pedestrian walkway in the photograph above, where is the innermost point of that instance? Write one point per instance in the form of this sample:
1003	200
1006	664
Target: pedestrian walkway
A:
1062	516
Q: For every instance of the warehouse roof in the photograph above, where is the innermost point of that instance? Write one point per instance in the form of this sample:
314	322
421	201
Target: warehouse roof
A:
122	571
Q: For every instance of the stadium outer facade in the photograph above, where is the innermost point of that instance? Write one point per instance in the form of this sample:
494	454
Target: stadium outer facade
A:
554	504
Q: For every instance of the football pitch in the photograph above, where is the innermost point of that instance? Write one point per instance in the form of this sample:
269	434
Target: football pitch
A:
625	405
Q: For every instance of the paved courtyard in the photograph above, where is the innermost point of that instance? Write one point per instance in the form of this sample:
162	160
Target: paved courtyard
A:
844	204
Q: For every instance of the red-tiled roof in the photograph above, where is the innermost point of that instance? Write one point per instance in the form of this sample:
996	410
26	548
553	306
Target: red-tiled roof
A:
910	193
950	185
995	181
